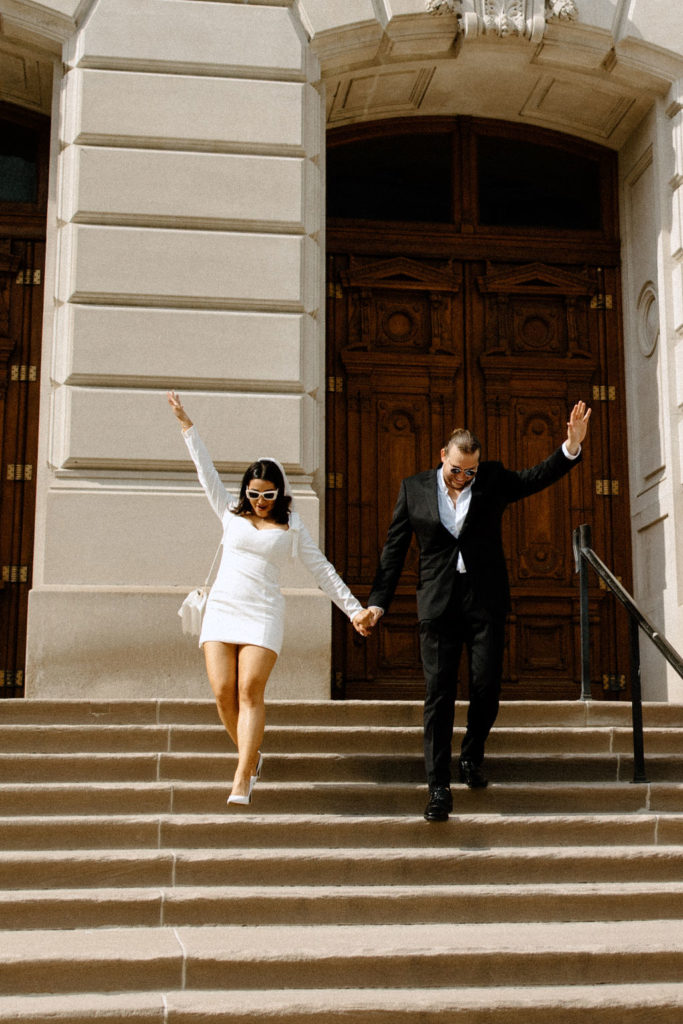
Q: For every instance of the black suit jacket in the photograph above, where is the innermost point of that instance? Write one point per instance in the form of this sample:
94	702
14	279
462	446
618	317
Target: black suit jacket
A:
417	512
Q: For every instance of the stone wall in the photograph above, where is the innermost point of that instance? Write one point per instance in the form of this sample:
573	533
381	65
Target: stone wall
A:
188	212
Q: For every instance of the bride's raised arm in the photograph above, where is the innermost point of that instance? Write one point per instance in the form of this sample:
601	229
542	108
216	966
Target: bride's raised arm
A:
214	488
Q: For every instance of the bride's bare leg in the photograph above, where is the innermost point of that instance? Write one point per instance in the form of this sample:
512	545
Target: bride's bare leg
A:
221	668
254	665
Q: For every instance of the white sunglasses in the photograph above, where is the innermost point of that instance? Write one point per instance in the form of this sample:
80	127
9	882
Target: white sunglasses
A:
254	495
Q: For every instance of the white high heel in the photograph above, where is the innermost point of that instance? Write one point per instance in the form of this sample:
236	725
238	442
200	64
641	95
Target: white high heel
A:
259	766
236	798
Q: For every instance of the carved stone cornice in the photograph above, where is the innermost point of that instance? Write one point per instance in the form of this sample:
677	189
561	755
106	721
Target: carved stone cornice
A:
443	6
523	18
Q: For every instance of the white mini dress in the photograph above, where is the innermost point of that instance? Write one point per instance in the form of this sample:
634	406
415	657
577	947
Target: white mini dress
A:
245	605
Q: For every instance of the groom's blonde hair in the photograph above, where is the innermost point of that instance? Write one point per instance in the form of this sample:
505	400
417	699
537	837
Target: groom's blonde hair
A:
464	440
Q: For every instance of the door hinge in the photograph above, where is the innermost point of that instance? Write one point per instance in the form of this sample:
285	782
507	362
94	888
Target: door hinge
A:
607	488
29	277
335	481
23	372
15	574
335	385
604	393
613	683
18	472
334	291
12	677
601	301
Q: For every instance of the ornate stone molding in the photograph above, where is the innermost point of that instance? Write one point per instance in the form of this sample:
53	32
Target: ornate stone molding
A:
525	18
443	6
564	10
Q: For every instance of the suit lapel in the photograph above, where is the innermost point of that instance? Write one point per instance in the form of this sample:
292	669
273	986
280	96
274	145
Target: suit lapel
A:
432	499
431	496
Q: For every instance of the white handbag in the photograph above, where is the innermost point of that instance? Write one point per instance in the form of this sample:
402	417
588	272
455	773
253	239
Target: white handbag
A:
192	609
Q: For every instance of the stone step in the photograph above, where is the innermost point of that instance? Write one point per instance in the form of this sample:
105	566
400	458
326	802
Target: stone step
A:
244	827
654	1003
296	713
45	768
31	909
146	741
317	956
126	882
321	866
358	798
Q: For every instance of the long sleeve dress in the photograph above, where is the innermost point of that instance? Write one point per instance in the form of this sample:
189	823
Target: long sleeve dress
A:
245	605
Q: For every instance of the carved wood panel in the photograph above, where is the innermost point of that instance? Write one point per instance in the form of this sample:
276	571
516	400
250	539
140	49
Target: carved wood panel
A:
21	264
398	355
505	349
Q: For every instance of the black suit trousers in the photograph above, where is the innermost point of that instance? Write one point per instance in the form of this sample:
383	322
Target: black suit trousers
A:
464	623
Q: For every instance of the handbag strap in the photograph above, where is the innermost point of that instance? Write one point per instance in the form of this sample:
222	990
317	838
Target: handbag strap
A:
213	564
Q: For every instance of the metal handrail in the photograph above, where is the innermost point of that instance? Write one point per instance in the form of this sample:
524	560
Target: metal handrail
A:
585	556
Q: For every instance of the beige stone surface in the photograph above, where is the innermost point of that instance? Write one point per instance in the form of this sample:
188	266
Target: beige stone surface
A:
226	37
107	642
601	13
128	186
325	15
101	959
126	534
264	909
211	268
64	8
47	24
174	348
121	1008
412	35
25	76
396	8
659	24
118	428
677	290
557	90
206	113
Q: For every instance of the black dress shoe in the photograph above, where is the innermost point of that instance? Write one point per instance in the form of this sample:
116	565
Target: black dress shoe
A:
440	804
472	775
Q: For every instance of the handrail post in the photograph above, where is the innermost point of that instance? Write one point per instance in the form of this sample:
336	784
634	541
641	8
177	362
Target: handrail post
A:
636	705
582	540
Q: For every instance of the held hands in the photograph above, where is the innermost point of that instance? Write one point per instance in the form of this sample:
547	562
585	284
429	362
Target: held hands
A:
366	620
577	427
177	406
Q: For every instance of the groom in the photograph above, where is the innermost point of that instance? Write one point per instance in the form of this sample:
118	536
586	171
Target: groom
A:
463	594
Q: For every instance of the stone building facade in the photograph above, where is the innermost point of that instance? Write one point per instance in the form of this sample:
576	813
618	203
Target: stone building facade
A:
185	248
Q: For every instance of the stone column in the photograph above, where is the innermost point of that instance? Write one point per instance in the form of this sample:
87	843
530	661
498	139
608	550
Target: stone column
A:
675	218
189	204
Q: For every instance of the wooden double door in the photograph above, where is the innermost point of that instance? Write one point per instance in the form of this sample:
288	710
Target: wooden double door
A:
24	141
420	344
21	309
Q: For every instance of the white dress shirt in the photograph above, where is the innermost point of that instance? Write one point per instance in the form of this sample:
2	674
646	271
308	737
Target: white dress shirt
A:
453	516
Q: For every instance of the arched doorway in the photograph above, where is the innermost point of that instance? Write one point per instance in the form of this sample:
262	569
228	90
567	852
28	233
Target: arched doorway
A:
24	142
473	279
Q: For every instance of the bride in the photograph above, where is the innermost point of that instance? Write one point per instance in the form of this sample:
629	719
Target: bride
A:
244	620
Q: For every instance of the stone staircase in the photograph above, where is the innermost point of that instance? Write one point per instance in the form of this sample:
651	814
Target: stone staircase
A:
130	892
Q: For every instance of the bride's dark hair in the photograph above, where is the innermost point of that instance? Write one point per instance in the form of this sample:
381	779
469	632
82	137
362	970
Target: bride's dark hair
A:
264	469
